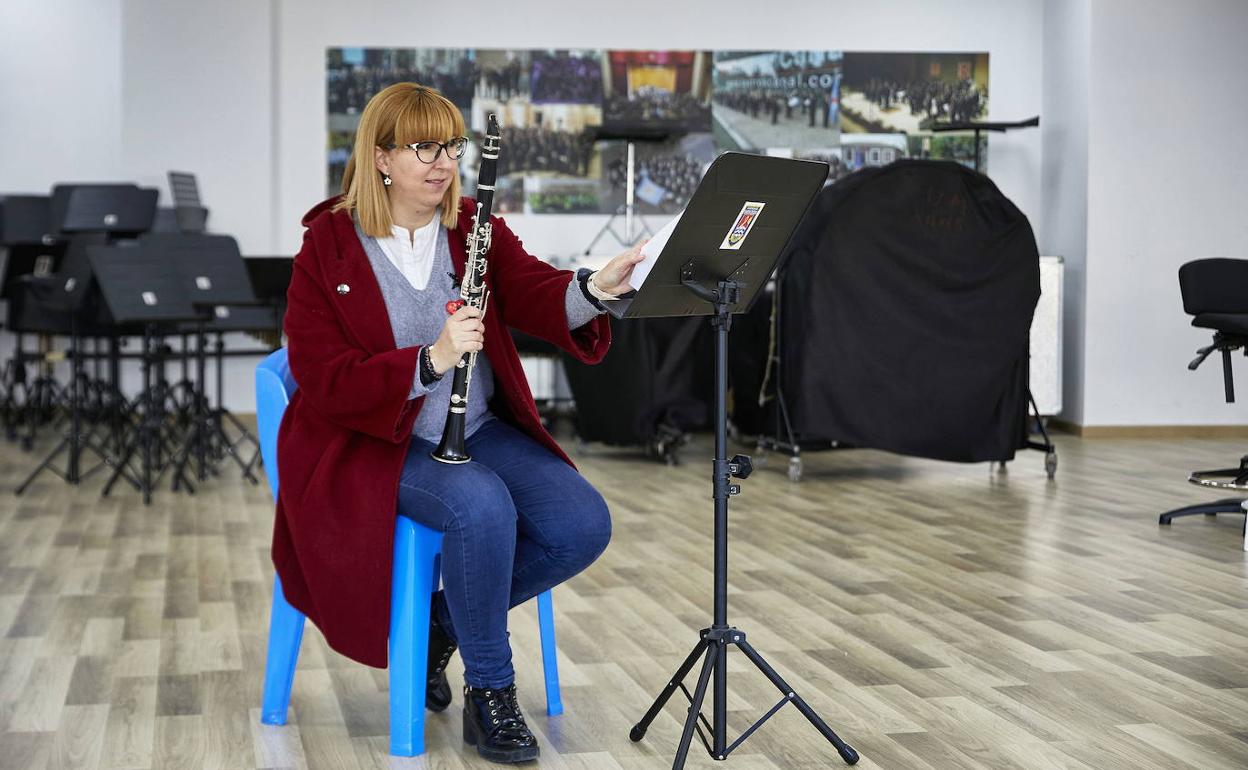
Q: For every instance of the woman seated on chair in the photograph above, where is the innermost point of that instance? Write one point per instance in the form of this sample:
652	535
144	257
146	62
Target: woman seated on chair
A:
370	343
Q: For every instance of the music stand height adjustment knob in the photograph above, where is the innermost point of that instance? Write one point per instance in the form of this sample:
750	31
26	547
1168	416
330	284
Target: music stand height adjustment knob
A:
741	466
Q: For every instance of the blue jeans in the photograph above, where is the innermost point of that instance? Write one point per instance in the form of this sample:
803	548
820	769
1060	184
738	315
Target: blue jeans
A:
517	521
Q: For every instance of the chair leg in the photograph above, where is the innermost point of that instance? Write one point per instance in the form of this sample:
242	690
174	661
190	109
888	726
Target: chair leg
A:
285	634
414	551
550	663
1230	505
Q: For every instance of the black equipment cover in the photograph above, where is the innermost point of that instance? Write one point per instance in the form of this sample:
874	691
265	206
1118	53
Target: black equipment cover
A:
907	300
656	377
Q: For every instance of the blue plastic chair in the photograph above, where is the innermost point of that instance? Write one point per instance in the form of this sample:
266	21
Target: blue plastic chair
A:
416	552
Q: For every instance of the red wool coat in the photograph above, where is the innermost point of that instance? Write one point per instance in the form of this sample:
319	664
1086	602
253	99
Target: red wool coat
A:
345	434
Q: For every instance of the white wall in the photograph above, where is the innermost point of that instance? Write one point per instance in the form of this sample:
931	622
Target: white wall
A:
1062	227
1167	183
60	93
197	95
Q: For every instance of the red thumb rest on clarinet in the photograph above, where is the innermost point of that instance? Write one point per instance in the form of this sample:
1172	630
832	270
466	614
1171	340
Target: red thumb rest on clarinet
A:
454	305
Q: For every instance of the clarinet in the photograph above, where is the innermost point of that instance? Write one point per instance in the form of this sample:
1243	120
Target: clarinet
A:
472	291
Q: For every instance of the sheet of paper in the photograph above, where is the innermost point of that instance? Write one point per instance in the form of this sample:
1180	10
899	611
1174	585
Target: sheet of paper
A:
652	250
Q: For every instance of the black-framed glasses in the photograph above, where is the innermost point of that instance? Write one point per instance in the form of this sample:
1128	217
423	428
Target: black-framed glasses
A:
428	152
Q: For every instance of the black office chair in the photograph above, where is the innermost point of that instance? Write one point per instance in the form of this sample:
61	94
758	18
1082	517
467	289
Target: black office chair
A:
1215	292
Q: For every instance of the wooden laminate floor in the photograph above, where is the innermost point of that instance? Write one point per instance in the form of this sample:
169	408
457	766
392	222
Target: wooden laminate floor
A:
936	615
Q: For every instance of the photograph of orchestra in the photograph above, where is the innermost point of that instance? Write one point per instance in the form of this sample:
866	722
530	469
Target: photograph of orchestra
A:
908	92
657	90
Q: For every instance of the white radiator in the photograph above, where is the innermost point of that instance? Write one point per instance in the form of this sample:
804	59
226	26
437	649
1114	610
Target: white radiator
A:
1046	339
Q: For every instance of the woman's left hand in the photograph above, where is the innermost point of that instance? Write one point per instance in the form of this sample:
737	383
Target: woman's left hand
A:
613	278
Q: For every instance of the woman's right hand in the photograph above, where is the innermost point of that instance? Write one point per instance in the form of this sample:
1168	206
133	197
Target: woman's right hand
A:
463	332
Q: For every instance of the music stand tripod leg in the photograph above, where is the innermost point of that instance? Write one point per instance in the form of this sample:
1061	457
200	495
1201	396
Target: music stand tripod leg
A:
847	753
47	463
120	470
713	651
639	730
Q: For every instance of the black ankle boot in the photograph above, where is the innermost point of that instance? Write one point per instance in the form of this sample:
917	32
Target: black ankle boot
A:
494	724
441	648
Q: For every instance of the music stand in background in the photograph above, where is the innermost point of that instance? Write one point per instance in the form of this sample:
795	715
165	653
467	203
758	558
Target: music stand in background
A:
90	214
720	255
191	215
120	210
214	278
979	126
141	286
630	136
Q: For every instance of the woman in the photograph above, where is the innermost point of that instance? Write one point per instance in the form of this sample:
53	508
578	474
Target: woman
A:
370	342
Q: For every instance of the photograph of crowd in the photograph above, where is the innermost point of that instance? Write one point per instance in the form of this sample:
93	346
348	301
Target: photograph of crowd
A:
567	115
665	174
355	74
908	92
657	90
566	77
776	99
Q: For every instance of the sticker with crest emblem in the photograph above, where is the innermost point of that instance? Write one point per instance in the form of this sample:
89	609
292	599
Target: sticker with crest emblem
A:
741	228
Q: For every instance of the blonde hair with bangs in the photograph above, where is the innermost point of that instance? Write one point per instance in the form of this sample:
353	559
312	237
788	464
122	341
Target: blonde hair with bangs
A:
404	113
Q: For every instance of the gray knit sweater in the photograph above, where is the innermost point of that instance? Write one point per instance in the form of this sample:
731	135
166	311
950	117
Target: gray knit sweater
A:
416	318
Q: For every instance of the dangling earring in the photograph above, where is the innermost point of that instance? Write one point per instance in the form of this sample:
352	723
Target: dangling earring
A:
385	179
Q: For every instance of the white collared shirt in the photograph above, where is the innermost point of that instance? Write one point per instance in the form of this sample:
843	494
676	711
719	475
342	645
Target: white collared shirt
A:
412	251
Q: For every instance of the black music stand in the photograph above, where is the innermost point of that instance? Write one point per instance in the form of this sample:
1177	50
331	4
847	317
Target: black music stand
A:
90	214
979	126
720	255
120	210
215	279
141	286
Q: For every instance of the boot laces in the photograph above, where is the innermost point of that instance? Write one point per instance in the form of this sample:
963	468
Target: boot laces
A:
504	709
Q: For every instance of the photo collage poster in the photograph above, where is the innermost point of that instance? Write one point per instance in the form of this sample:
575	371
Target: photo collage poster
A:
567	116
